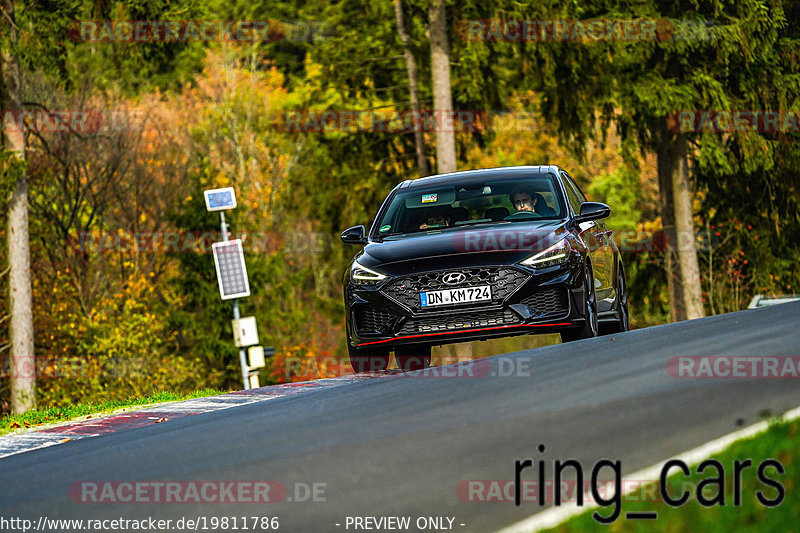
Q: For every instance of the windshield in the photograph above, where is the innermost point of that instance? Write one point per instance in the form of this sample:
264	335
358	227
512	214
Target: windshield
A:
502	200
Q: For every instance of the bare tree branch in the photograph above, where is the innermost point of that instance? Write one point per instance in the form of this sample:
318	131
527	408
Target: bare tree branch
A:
9	19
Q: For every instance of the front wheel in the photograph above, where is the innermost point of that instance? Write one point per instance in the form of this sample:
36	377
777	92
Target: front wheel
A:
590	327
623	316
368	359
413	357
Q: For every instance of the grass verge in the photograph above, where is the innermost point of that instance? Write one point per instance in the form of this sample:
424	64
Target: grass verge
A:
49	415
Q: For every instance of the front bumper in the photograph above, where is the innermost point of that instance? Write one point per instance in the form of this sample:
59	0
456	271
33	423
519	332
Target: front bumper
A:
523	301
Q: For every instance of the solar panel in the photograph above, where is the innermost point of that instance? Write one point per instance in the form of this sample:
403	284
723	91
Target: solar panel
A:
231	269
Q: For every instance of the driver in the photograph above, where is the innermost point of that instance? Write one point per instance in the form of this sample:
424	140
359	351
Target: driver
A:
523	200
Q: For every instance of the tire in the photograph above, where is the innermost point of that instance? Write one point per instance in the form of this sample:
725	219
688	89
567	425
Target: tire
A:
412	357
368	359
591	327
623	315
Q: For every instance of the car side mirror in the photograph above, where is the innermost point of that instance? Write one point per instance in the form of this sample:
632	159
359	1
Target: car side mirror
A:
593	211
355	235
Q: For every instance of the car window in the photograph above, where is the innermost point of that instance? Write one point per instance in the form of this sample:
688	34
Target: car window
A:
573	196
577	189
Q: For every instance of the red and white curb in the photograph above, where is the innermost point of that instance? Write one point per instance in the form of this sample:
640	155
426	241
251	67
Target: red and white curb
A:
102	425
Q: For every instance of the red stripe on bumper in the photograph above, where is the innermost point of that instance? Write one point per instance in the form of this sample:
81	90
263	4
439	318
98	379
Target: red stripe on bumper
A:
466	331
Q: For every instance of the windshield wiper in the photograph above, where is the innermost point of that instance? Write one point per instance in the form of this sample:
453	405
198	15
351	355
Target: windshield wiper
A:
395	234
479	222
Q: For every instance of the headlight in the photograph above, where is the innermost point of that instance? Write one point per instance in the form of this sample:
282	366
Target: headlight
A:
363	275
556	254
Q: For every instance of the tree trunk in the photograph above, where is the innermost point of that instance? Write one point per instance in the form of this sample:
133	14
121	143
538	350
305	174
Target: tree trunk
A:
683	268
413	85
672	265
442	98
684	224
23	363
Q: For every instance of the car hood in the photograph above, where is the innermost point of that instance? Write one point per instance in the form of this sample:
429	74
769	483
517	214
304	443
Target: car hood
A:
495	243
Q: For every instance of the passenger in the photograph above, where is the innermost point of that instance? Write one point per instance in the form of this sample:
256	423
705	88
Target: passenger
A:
436	220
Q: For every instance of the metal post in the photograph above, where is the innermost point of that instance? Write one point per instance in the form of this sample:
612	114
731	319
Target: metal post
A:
242	355
223	226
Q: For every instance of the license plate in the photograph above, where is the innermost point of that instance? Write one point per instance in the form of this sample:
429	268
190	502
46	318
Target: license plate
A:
455	296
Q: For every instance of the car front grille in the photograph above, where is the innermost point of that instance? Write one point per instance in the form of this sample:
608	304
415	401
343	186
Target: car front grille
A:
455	322
552	300
503	281
369	320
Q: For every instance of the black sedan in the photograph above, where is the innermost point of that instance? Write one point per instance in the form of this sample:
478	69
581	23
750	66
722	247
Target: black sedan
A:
479	254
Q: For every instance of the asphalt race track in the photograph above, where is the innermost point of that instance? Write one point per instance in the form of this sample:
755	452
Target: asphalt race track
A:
400	445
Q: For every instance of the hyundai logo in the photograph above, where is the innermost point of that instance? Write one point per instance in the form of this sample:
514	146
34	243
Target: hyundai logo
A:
454	278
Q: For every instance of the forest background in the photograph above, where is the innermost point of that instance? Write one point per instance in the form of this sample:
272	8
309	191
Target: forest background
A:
306	115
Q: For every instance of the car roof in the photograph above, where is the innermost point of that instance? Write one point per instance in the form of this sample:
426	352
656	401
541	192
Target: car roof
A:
479	174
